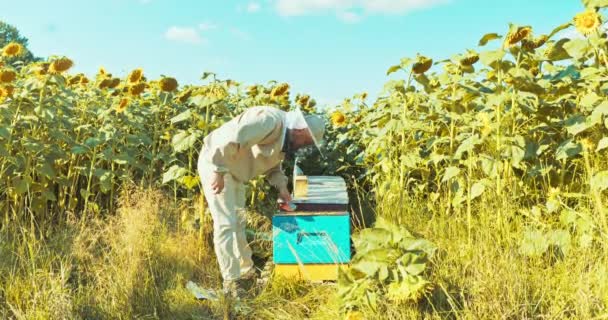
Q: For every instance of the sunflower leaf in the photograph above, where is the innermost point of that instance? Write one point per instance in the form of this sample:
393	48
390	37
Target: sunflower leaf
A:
487	38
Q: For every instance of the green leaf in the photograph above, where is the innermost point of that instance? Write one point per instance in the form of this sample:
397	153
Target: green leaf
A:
393	69
589	100
181	117
602	144
48	171
450	173
577	124
599	181
559	238
79	149
489	58
477	190
568	149
533	243
488	37
183	141
4	133
560	28
467	145
173	173
577	48
371	239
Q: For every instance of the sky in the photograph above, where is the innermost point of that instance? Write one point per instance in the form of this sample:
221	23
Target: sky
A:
330	49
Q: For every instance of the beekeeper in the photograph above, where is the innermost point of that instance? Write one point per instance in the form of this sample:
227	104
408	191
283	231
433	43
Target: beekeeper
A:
253	143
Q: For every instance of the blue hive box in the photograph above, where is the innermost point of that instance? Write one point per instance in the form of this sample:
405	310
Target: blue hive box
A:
317	233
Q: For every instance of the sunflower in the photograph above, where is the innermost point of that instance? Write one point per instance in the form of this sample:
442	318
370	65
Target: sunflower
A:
6	91
338	119
280	90
12	49
516	35
73	80
252	91
587	22
137	89
135	76
532	44
60	65
84	81
113	83
168	84
41	69
184	95
364	96
422	65
303	100
7	75
469	59
105	83
122	105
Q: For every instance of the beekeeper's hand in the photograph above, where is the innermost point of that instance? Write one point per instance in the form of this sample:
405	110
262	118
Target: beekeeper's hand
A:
217	182
284	195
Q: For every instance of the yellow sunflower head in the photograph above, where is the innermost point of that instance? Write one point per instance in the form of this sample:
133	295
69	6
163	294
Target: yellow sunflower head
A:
137	89
113	83
84	81
75	79
41	69
280	90
252	91
6	91
184	95
532	44
303	100
516	35
587	22
60	65
105	83
422	64
469	59
338	119
122	105
7	76
13	49
167	84
135	76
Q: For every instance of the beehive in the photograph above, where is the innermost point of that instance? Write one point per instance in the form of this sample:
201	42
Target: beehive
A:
314	241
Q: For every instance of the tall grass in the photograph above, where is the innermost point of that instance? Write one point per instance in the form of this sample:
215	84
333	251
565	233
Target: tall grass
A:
135	264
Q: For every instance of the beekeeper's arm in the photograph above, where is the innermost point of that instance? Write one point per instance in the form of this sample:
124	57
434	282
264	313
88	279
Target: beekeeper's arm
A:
277	178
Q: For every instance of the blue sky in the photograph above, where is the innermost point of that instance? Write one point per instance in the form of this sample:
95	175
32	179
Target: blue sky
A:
330	49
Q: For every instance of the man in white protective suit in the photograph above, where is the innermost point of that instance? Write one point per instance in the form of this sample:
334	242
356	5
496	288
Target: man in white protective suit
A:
253	143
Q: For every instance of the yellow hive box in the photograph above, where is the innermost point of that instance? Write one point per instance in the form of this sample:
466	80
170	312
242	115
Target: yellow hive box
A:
309	272
300	188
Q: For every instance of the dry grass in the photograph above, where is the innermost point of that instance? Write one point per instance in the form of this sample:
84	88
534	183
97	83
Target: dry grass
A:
135	265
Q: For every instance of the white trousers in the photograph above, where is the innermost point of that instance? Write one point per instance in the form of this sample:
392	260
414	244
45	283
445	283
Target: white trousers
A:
228	213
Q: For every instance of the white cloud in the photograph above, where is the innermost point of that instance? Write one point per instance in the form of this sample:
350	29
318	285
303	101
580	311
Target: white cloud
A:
303	7
183	34
348	17
206	26
253	7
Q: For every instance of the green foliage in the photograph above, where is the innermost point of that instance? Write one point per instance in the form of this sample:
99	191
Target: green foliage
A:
389	264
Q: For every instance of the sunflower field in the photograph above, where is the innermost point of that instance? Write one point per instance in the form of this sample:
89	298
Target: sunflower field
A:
491	163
